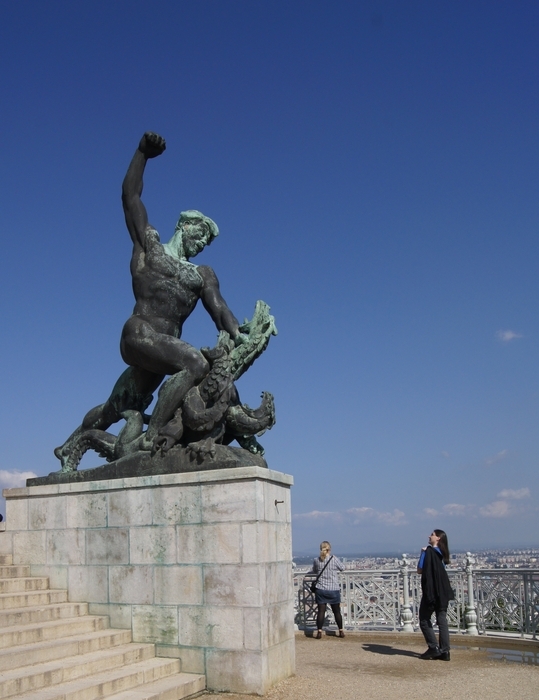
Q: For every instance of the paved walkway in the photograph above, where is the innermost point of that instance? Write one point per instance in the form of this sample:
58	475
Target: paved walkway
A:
370	666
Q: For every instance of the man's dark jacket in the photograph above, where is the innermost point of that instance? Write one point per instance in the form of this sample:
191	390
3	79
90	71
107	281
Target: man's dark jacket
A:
437	591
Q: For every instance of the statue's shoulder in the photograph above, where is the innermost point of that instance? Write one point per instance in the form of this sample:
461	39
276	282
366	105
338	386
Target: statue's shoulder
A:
151	235
207	274
146	240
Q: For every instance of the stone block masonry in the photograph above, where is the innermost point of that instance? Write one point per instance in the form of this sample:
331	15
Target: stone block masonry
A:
198	563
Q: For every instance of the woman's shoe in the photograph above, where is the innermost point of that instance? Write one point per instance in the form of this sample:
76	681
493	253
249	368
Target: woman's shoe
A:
430	654
340	634
318	635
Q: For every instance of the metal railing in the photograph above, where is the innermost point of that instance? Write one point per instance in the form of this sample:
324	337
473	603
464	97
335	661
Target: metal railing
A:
486	600
508	601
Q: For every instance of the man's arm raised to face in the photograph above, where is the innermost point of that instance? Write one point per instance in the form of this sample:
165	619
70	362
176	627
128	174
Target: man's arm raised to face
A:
151	145
214	303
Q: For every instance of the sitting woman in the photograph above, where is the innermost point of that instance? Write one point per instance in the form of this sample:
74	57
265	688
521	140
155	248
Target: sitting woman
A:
328	590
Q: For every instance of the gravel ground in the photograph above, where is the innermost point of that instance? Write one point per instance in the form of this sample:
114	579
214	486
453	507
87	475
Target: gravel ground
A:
365	666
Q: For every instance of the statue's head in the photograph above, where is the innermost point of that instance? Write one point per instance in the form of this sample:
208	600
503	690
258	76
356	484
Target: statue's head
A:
196	232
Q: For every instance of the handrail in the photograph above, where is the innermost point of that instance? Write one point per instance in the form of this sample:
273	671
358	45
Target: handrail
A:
486	600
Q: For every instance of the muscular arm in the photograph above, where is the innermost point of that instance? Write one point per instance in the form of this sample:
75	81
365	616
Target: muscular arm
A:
136	217
214	303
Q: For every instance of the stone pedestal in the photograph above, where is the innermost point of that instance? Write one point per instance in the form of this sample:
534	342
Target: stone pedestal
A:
198	563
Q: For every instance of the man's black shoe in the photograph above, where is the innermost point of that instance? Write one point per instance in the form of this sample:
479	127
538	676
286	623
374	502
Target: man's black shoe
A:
431	654
444	656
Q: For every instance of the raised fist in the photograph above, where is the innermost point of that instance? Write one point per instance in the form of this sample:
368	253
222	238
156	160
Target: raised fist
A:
152	145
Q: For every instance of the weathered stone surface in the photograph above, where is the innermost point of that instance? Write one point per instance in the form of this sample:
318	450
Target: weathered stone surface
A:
199	563
176	505
66	547
29	546
130	507
120	615
157	624
234	585
237	672
131	584
152	545
210	543
107	546
211	626
57	575
18	514
47	515
89	510
178	585
88	584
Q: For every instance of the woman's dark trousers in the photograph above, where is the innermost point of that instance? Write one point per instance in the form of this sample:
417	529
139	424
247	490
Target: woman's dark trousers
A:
425	614
322	614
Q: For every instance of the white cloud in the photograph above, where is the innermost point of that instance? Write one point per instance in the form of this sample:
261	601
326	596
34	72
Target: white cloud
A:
14	479
396	517
361	513
505	506
507	336
318	515
445	454
355	516
515	494
454	509
500	456
496	509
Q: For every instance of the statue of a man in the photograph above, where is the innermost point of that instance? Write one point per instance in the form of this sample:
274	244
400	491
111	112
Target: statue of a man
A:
167	288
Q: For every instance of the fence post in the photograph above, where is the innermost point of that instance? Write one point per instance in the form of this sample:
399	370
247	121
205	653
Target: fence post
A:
406	612
470	615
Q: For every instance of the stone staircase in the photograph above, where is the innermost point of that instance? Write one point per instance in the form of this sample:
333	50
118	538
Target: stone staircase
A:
51	649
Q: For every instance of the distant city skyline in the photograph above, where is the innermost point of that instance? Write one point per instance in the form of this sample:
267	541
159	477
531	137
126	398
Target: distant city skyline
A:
489	558
373	170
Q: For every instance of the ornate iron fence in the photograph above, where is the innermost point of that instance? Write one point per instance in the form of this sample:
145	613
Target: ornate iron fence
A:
486	600
508	601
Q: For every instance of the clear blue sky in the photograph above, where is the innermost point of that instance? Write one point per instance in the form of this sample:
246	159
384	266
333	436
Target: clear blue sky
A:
373	169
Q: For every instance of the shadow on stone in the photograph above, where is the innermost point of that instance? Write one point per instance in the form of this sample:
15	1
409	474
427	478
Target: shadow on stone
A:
389	651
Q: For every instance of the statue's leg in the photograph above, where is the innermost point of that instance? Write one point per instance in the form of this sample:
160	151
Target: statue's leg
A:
132	391
174	389
164	354
171	394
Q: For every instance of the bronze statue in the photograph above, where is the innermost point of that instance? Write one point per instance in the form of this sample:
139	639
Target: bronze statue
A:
167	287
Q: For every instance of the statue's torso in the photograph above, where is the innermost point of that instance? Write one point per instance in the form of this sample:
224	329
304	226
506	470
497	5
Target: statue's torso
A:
164	286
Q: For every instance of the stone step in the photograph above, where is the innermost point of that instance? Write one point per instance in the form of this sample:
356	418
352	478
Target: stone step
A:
56	629
51	649
14	571
6	560
41	613
176	687
41	652
26	583
9	601
45	675
108	683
